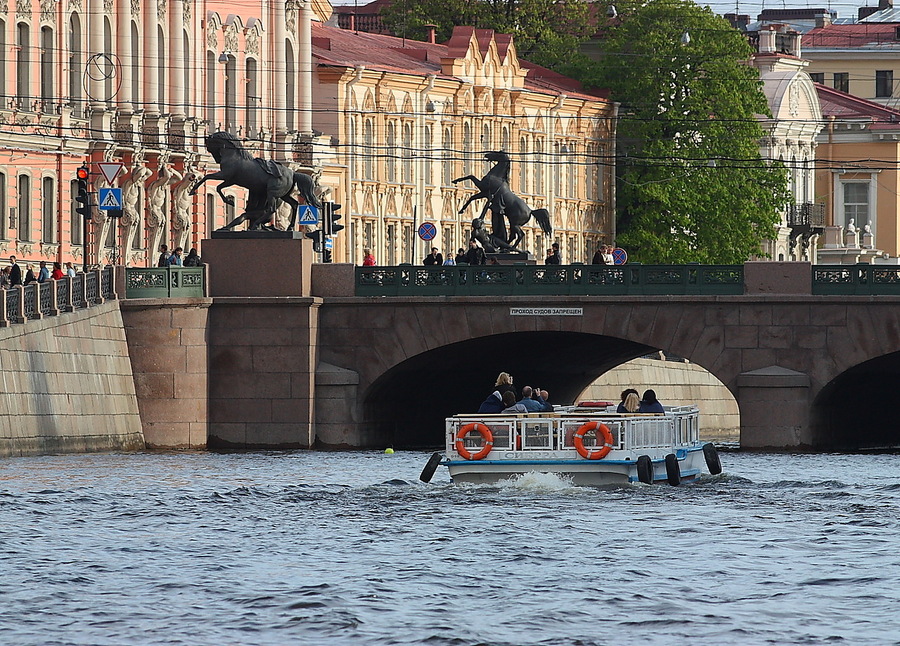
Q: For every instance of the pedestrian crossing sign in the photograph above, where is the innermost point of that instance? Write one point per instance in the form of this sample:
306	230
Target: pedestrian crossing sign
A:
110	199
307	214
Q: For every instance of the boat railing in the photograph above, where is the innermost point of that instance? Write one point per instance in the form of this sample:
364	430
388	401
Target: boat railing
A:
678	427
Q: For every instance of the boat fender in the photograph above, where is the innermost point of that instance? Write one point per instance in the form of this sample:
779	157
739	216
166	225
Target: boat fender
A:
603	433
486	435
430	467
713	463
645	469
673	471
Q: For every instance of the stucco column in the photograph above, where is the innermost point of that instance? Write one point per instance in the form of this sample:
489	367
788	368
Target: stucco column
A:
129	66
96	82
177	62
304	45
279	63
150	99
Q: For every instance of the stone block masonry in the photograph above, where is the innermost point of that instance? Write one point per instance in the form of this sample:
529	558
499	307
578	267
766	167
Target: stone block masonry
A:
167	342
66	385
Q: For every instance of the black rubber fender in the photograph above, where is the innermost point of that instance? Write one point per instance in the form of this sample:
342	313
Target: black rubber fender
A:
430	467
645	469
673	471
713	463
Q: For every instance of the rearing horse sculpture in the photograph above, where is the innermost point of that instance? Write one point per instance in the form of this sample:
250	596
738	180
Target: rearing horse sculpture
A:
502	202
267	181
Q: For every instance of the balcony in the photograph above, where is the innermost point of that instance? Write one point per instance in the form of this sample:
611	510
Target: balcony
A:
807	215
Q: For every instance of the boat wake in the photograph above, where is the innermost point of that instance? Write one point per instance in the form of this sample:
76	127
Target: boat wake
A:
539	482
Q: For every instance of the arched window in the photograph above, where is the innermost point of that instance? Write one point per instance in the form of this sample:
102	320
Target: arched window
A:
23	73
350	147
135	63
447	154
253	99
368	150
407	154
428	150
571	161
291	93
76	61
48	211
390	143
467	145
161	56
4	225
47	50
523	165
211	90
539	168
231	95
504	139
75	224
24	204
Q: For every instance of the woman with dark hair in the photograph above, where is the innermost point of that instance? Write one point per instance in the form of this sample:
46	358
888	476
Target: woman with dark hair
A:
650	404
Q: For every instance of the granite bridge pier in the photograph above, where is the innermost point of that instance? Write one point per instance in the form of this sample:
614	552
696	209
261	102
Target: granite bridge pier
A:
336	356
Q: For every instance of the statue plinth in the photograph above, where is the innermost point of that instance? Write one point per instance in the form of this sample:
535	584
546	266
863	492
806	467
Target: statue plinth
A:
256	235
259	263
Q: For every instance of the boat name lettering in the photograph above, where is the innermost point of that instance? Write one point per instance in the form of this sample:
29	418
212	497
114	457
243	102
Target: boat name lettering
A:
521	455
546	311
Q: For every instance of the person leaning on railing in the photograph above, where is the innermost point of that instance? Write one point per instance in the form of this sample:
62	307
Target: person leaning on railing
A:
4	278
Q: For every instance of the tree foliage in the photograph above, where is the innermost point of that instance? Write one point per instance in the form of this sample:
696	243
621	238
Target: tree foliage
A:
546	32
693	186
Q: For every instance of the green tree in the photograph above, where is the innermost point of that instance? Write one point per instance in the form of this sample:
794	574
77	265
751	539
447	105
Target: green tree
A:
692	185
546	32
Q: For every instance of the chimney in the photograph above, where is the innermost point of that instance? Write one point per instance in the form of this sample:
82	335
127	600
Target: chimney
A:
885	4
432	32
352	22
767	40
823	19
738	21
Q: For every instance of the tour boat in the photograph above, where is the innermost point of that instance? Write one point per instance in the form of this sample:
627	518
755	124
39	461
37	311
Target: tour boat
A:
587	445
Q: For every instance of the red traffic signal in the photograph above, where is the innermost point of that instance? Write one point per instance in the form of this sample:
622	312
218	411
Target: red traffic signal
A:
83	173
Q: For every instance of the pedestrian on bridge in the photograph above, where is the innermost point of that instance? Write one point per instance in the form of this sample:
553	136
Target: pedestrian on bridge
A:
434	258
15	272
368	258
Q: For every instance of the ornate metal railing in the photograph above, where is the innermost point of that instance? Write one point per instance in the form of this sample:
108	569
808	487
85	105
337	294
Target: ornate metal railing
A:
807	214
164	282
78	299
856	280
487	280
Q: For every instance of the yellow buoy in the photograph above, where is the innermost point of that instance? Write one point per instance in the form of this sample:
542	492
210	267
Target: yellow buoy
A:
389	451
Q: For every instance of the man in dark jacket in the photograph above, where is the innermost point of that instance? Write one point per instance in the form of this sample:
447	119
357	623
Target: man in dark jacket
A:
475	255
434	258
493	404
553	257
15	272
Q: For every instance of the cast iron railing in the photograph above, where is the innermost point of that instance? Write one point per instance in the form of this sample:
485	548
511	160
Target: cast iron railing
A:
856	280
563	280
164	282
52	297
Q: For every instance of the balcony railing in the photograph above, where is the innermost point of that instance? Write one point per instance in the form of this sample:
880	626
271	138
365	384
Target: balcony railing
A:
807	214
563	280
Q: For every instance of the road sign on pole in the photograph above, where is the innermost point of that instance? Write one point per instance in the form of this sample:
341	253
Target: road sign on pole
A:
307	214
620	256
110	170
427	231
110	199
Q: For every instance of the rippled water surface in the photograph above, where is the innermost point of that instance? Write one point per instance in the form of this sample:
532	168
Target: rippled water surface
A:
350	548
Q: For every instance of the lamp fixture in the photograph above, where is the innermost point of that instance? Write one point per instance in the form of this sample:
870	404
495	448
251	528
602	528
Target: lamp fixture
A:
223	57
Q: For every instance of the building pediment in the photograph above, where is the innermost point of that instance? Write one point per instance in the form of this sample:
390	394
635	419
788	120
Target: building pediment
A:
483	57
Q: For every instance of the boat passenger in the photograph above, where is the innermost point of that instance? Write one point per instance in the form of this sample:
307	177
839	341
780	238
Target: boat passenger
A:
624	396
493	403
534	404
511	405
650	404
505	383
548	407
631	404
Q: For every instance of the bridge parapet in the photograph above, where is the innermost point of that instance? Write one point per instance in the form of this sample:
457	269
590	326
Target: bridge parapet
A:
20	304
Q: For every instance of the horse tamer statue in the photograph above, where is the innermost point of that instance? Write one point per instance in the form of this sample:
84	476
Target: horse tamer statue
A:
267	181
502	202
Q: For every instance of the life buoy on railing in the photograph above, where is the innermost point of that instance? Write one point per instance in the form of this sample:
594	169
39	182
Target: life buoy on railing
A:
603	433
486	435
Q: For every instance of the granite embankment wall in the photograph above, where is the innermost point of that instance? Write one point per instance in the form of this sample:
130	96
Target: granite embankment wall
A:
675	383
66	384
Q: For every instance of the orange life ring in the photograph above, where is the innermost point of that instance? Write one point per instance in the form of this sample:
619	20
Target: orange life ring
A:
485	434
603	430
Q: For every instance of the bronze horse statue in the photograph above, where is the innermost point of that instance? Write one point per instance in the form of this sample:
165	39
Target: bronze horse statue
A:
267	181
502	202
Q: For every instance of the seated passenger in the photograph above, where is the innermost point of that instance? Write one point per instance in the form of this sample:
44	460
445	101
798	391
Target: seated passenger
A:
533	404
511	406
631	404
493	403
649	403
624	396
548	407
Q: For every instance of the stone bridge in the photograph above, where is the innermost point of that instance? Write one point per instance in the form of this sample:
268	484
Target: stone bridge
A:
340	370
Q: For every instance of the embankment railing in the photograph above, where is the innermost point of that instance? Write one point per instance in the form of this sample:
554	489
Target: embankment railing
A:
52	297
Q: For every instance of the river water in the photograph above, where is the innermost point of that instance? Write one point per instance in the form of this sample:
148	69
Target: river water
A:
350	548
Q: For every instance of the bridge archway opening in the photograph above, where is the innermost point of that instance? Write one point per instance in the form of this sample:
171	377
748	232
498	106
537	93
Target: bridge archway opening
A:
857	410
406	407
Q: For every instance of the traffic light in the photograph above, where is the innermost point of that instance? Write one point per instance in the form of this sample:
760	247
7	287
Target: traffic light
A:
317	237
82	197
330	218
